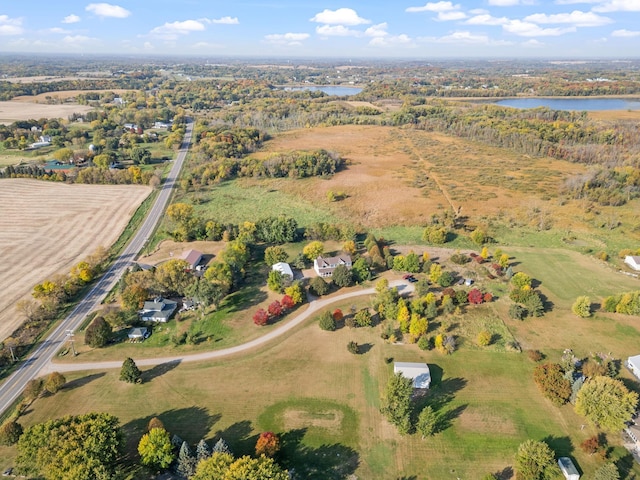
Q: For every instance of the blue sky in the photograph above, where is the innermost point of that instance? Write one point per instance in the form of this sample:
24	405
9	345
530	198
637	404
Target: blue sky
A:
350	29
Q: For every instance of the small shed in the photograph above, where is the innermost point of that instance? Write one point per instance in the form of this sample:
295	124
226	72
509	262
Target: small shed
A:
633	261
192	257
569	470
138	333
633	364
418	372
283	268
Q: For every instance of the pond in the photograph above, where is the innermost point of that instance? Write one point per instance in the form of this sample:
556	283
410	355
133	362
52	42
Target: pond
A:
328	89
579	104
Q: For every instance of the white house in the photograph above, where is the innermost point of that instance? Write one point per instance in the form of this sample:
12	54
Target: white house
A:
633	261
158	310
569	470
418	372
283	268
633	364
324	266
138	333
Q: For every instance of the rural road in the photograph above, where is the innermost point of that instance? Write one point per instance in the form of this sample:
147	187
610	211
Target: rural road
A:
42	356
313	307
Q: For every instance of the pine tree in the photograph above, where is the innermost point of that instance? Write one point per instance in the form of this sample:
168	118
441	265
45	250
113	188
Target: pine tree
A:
221	447
186	461
203	451
130	371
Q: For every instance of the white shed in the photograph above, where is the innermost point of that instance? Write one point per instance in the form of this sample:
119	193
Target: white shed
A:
633	261
633	364
418	372
569	470
283	268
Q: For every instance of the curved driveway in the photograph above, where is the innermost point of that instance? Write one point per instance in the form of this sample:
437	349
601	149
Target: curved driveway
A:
314	307
42	356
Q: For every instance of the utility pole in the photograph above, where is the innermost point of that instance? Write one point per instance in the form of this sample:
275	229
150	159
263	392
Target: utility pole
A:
70	338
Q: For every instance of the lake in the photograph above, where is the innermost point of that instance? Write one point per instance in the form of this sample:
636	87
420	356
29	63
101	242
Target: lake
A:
579	104
328	89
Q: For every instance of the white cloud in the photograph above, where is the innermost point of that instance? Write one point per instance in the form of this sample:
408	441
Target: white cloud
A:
148	46
107	10
479	11
59	30
573	2
77	40
336	31
341	16
487	20
577	18
618	6
171	30
467	37
391	41
434	7
287	39
450	16
10	26
71	19
532	43
625	33
207	46
226	20
504	3
379	30
528	29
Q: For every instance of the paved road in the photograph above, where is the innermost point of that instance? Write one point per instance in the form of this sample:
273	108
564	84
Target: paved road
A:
38	360
314	307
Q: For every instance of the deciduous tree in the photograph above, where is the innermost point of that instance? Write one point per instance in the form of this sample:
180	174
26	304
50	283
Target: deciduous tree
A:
342	277
54	382
268	444
606	402
582	307
155	449
275	254
313	250
608	471
97	333
396	403
261	317
536	461
551	381
10	432
319	286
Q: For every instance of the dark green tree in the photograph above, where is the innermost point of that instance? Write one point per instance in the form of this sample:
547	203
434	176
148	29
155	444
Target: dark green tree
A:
97	333
427	422
10	432
319	286
536	461
275	281
326	322
342	276
396	403
130	372
360	270
275	254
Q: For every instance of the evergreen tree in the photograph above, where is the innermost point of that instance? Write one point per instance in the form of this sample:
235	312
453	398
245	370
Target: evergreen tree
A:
187	462
203	451
221	447
130	372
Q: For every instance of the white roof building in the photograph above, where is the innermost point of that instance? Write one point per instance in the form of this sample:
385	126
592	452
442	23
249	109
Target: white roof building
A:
569	470
633	261
633	364
283	268
418	372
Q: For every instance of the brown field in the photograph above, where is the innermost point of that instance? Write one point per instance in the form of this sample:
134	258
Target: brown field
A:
13	111
45	228
169	249
62	95
401	176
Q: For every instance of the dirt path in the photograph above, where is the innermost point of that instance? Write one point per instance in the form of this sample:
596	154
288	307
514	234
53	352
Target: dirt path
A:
314	307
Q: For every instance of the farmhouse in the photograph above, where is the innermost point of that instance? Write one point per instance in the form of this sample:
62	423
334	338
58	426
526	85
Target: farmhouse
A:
569	470
633	261
138	333
283	268
633	364
192	257
418	372
324	266
158	310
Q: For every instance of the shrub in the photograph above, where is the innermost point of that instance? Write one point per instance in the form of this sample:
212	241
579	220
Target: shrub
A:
352	347
350	321
337	315
363	318
488	297
517	312
475	296
261	317
445	279
326	322
461	297
604	256
425	343
535	355
268	444
582	307
459	258
484	338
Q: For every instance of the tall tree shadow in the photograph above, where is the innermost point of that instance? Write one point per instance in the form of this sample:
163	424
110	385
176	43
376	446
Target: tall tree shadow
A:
238	437
82	381
562	446
191	424
326	462
159	370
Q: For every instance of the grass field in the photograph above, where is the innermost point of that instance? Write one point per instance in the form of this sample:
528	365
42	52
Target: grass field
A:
12	111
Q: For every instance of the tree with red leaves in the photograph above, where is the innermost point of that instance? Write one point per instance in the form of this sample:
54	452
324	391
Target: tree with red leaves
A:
488	297
261	317
268	444
337	315
287	303
275	309
475	296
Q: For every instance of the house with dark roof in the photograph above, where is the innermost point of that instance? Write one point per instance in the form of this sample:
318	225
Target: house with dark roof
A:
138	334
158	310
192	257
324	266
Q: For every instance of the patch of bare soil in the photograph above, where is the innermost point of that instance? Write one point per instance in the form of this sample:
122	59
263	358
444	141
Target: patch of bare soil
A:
330	420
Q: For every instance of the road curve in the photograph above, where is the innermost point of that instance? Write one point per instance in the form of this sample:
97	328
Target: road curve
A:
313	307
39	359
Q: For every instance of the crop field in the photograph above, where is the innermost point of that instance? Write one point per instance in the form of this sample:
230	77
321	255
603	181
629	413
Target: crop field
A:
13	111
45	228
